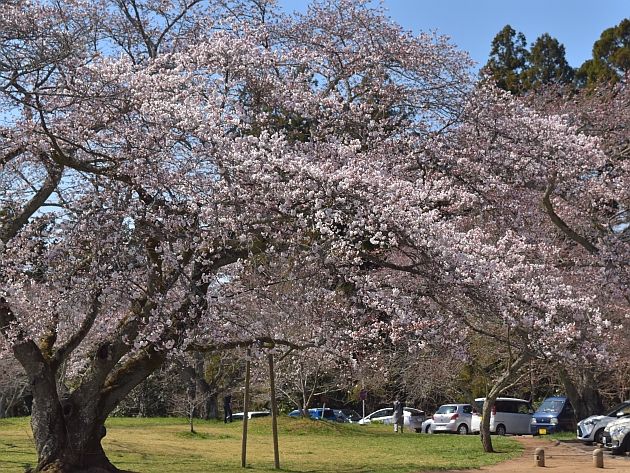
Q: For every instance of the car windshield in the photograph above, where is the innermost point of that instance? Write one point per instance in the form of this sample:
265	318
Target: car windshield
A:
351	414
447	410
328	413
381	413
620	408
551	405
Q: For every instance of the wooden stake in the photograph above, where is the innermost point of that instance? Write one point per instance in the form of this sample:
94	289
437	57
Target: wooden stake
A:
245	411
274	413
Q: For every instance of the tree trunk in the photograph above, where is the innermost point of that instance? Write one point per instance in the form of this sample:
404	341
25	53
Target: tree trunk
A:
212	406
508	376
68	428
66	441
486	440
583	393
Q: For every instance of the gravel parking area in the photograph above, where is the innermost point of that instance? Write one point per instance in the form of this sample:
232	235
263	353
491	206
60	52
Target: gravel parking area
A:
560	457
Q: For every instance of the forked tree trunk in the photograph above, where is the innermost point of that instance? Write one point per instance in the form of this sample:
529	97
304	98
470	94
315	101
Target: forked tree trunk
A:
67	438
68	428
512	372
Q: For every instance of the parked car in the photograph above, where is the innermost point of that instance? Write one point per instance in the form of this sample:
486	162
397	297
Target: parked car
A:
412	418
509	416
250	415
555	414
349	415
591	429
317	414
452	418
616	436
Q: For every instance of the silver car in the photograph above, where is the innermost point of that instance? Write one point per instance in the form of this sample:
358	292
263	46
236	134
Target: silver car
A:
454	418
591	429
412	418
617	436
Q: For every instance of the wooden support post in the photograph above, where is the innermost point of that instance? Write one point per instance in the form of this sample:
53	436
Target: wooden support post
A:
245	410
539	457
598	458
274	413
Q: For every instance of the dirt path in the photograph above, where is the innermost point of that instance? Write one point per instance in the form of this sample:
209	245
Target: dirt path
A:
559	458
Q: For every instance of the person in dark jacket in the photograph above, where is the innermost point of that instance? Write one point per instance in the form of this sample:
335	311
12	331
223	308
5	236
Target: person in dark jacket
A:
227	408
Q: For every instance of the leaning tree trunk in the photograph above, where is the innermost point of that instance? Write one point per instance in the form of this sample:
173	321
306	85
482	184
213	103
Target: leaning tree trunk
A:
486	440
511	374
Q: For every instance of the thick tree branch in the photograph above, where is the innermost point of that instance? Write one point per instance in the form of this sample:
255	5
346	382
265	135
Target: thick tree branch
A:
558	222
73	342
15	224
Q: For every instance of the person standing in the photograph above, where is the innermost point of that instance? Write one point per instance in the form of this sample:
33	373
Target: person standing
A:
398	417
227	408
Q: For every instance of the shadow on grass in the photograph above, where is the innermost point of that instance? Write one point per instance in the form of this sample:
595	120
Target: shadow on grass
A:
203	436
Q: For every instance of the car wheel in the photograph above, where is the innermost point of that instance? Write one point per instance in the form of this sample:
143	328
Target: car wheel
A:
624	447
599	436
500	429
462	429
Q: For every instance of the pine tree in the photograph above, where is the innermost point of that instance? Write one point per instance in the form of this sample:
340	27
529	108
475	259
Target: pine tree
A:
508	60
547	64
611	57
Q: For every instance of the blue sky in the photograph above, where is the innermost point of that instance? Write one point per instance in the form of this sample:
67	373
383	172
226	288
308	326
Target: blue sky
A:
472	24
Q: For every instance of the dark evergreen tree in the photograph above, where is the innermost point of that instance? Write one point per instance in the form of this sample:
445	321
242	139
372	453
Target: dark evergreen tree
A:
508	60
547	64
611	57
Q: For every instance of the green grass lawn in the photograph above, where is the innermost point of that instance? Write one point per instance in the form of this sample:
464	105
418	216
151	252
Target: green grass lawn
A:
165	446
565	437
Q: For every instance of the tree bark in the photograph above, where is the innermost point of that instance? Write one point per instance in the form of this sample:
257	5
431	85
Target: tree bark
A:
582	393
510	374
68	427
67	437
212	406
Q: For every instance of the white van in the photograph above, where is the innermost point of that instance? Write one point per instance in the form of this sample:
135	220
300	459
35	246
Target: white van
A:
509	416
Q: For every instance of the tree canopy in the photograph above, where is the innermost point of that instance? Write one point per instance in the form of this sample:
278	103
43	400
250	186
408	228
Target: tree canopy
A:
611	56
181	175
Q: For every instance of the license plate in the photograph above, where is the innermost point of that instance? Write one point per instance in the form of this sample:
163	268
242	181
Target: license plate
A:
542	431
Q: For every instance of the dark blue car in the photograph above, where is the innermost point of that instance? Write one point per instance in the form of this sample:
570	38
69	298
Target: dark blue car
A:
316	413
555	414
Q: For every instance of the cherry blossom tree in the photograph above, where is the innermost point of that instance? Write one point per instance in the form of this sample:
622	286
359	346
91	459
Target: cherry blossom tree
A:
500	270
155	154
597	220
182	175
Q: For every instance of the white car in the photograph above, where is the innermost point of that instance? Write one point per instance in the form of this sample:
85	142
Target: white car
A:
617	436
412	418
453	418
591	429
427	425
250	414
509	416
